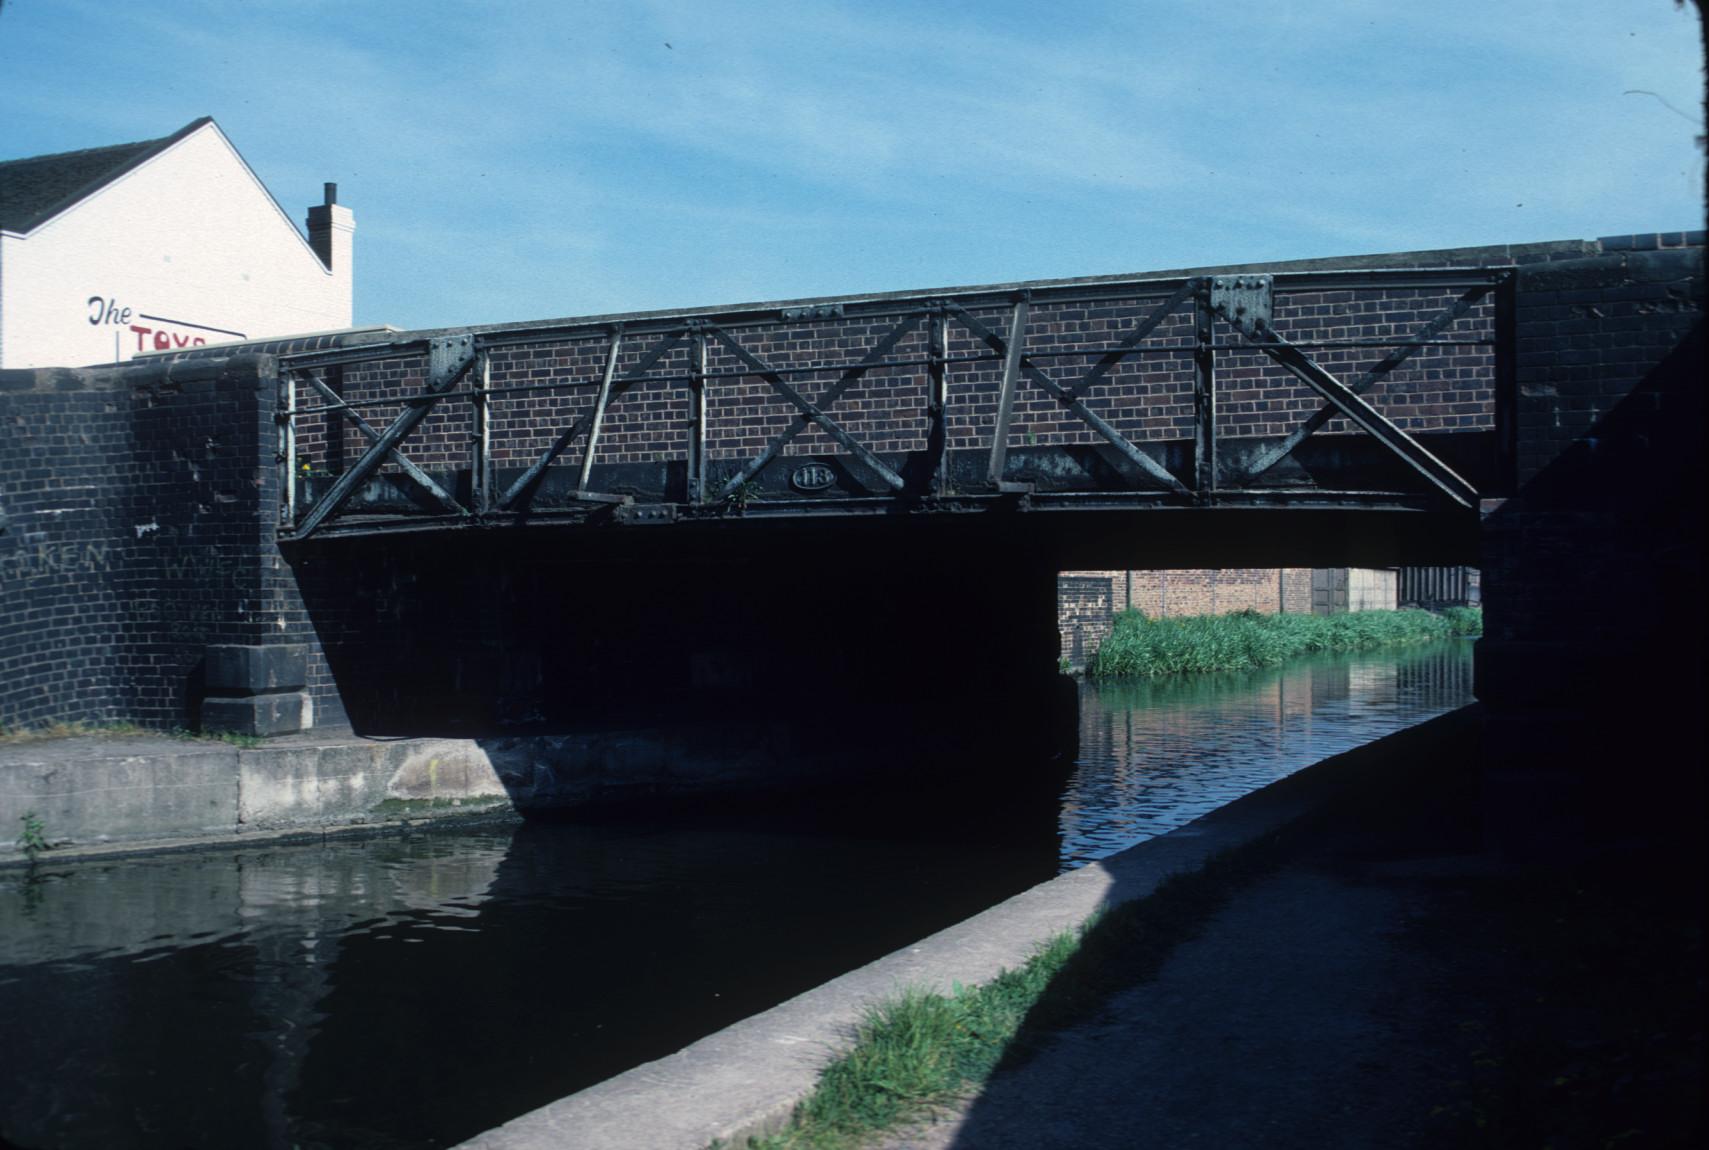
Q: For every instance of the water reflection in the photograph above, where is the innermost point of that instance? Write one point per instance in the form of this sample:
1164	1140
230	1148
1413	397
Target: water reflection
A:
413	991
1155	755
172	1000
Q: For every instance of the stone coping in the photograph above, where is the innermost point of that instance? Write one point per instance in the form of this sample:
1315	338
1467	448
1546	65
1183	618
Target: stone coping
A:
100	795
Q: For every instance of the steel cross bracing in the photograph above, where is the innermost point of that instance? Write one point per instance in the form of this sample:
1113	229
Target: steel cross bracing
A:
948	375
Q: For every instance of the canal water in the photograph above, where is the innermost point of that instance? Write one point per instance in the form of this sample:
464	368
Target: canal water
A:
412	991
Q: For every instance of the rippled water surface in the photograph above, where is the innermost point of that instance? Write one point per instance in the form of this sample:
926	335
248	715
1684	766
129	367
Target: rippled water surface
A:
1156	755
410	992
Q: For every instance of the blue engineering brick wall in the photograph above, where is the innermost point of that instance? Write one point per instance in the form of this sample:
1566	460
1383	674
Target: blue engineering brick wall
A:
138	529
137	505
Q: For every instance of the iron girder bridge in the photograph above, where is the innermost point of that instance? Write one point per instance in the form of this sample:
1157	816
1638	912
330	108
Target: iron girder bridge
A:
1388	390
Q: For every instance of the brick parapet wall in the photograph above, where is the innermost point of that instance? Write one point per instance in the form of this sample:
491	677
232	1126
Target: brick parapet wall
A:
138	504
1147	398
1591	664
138	530
1607	501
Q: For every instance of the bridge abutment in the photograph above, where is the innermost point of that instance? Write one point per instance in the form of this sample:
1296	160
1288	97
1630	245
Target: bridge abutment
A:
698	660
1591	660
140	508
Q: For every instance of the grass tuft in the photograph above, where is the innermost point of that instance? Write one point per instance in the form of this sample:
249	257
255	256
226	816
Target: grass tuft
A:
1465	620
916	1051
1247	640
923	1050
10	735
14	735
33	841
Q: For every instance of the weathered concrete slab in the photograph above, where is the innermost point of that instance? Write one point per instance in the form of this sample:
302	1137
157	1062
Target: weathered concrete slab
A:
124	790
93	794
100	792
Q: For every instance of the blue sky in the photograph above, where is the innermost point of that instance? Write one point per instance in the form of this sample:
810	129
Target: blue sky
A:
512	161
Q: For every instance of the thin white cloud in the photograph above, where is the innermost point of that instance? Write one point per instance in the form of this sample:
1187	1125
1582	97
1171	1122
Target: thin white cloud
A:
607	156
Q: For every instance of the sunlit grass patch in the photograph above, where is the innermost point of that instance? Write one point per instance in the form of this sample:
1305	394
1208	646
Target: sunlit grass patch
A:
1247	640
46	731
923	1050
916	1051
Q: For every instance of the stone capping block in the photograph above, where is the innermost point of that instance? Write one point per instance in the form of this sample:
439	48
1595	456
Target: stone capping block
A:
238	669
279	713
1613	270
1666	266
249	369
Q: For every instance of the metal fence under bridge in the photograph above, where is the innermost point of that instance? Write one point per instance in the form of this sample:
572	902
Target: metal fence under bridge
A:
1379	389
1437	587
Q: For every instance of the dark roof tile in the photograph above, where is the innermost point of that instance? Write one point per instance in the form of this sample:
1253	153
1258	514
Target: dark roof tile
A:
36	188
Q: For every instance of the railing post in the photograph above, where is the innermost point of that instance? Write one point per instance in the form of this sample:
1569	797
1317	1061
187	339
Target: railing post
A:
1006	399
937	403
697	420
286	419
334	427
1506	384
449	359
1204	397
480	447
599	403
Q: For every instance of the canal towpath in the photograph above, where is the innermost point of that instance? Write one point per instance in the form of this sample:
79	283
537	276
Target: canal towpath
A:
1382	974
1389	980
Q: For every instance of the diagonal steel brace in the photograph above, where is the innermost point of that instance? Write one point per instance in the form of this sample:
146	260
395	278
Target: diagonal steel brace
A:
448	360
808	411
1006	395
833	393
1316	377
526	481
1275	454
1122	444
1142	329
599	406
439	494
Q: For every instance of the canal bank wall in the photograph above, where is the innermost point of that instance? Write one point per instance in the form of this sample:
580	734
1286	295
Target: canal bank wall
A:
110	793
102	794
746	1079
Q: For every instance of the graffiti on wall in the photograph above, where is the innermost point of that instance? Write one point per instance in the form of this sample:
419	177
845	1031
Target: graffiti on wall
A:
158	334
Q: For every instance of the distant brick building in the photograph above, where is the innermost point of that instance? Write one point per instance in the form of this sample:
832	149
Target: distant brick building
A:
1087	601
159	245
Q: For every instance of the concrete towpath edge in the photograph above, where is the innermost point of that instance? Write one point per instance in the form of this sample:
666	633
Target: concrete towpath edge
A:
745	1079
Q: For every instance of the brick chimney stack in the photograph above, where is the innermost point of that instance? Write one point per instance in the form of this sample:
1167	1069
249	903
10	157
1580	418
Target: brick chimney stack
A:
332	229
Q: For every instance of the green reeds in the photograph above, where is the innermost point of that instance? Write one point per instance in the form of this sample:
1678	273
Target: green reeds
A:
1247	640
1465	620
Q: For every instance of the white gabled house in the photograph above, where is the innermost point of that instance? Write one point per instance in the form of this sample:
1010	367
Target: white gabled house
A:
163	244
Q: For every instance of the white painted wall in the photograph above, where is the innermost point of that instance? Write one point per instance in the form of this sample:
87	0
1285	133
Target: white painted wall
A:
188	248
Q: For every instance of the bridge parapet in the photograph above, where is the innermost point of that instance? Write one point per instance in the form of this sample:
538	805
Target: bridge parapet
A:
1372	387
140	527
